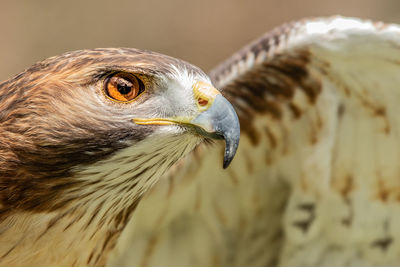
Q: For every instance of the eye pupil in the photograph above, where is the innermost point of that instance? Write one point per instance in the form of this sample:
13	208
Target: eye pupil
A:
124	89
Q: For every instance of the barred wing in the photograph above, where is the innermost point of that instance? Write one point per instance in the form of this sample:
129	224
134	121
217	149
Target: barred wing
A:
316	178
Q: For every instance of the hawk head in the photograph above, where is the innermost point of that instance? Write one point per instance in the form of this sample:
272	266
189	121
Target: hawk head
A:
96	128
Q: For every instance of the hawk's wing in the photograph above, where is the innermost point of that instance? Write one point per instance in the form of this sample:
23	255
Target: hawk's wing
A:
316	180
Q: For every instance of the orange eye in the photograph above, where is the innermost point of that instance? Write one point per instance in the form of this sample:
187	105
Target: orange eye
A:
123	87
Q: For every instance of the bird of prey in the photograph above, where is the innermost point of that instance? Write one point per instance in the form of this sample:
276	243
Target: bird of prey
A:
83	136
316	178
93	168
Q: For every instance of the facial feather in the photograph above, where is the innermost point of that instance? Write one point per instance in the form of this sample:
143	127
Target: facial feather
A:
72	162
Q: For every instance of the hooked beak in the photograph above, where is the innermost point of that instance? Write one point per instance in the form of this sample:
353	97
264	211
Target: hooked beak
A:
216	119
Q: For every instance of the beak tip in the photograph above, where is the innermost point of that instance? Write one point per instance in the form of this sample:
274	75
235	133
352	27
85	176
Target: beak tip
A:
226	163
230	151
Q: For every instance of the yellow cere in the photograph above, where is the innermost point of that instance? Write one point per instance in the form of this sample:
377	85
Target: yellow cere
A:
205	94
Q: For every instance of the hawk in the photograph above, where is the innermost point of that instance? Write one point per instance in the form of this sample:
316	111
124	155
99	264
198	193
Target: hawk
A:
86	135
83	136
316	178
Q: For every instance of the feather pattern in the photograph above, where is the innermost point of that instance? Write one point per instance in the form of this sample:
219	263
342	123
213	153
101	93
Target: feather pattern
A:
73	164
315	181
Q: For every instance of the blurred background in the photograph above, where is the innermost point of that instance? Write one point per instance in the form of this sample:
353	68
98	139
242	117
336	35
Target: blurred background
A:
201	32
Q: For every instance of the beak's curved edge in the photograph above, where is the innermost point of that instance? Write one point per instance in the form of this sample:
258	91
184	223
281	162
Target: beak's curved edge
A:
221	120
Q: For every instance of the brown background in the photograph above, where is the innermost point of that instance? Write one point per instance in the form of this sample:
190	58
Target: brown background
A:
202	32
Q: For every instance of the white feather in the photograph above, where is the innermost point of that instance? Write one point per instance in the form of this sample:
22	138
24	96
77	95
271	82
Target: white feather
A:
345	185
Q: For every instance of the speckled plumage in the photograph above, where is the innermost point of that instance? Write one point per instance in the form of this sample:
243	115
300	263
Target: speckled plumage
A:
314	183
315	180
73	165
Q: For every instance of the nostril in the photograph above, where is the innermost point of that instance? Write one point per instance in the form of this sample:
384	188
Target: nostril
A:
202	102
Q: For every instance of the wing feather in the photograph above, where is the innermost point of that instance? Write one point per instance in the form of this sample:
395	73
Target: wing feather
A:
316	178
